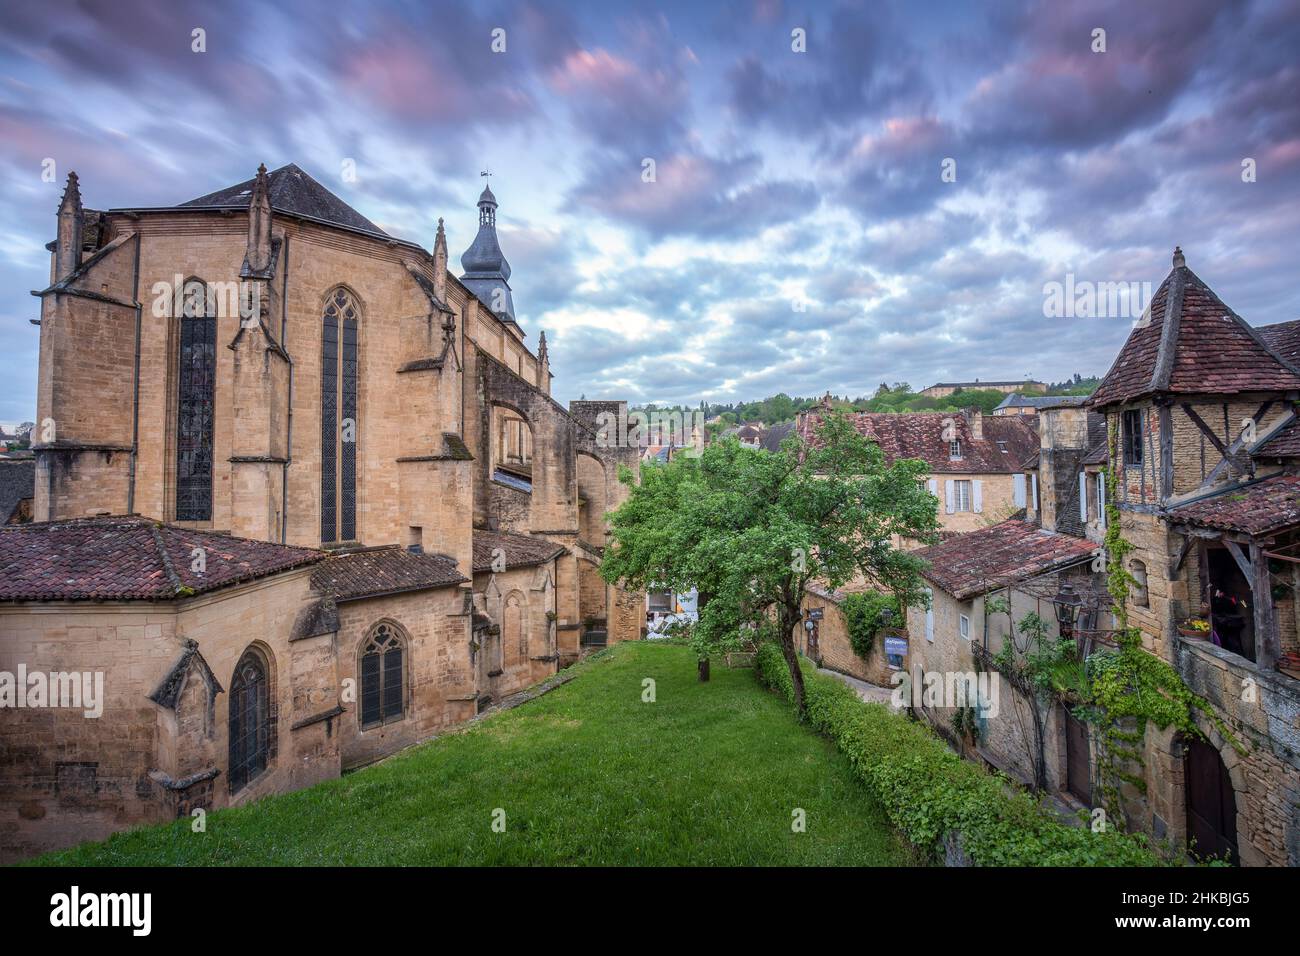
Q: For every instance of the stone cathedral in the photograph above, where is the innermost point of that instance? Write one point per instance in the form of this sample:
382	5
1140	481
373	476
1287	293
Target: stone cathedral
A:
303	498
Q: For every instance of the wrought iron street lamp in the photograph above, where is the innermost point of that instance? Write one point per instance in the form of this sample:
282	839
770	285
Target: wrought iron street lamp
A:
1067	604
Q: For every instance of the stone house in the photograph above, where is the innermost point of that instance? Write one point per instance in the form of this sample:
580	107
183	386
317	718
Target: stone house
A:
262	372
975	461
1023	565
824	637
1202	410
1196	420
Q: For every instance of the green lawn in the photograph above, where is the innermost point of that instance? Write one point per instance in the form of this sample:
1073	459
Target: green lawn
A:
588	774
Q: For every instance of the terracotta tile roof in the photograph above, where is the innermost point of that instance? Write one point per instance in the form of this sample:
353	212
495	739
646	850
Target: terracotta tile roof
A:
1283	338
1194	344
1008	441
981	561
129	558
370	573
1284	444
1263	507
520	550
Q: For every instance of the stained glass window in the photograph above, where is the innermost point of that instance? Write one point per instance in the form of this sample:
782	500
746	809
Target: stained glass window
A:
195	401
339	392
250	720
382	678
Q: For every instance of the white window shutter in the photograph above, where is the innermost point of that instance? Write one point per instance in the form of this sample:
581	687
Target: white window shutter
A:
1083	497
977	496
1101	499
929	617
1033	480
1018	490
933	487
949	500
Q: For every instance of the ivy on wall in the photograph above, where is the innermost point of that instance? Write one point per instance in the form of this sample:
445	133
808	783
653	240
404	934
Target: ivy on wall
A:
1128	688
865	618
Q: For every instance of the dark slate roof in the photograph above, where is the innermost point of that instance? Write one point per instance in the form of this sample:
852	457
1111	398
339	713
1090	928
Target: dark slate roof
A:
520	550
773	437
294	192
920	435
1016	400
17	483
1194	344
1261	508
1013	550
129	558
371	573
976	385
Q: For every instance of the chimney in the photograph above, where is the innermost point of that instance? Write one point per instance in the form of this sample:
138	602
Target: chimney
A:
72	224
258	252
440	264
975	420
1179	261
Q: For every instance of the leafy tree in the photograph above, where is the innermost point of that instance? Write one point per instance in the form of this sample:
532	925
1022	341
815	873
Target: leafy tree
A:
751	529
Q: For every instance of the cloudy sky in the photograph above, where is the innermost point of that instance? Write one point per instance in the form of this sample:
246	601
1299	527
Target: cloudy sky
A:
798	234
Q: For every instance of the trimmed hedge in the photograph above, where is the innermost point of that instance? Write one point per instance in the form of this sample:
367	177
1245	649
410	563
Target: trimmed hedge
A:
929	792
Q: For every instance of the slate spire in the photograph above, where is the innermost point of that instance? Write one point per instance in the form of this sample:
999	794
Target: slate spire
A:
487	273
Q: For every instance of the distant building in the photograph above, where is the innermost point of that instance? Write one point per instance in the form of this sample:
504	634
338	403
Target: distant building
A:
944	389
1017	404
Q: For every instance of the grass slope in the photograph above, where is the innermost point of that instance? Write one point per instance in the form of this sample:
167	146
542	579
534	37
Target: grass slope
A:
588	774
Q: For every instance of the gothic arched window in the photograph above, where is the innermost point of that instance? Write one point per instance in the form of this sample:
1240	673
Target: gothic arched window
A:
383	677
195	399
338	428
252	729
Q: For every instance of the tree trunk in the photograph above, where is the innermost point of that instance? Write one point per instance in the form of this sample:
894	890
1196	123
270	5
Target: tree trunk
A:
704	670
788	622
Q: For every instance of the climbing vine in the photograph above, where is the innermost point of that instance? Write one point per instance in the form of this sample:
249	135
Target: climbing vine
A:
1128	688
864	613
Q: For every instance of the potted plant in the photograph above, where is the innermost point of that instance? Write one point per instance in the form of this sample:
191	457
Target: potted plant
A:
1196	628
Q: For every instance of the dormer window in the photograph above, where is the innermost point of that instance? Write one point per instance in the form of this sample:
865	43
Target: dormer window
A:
954	449
1002	447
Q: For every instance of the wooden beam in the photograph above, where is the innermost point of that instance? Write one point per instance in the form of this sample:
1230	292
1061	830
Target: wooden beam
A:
1240	441
1165	422
1199	422
1242	561
1177	565
1267	647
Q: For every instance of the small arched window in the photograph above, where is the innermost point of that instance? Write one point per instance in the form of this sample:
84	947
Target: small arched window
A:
1140	597
338	425
383	677
252	729
195	400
